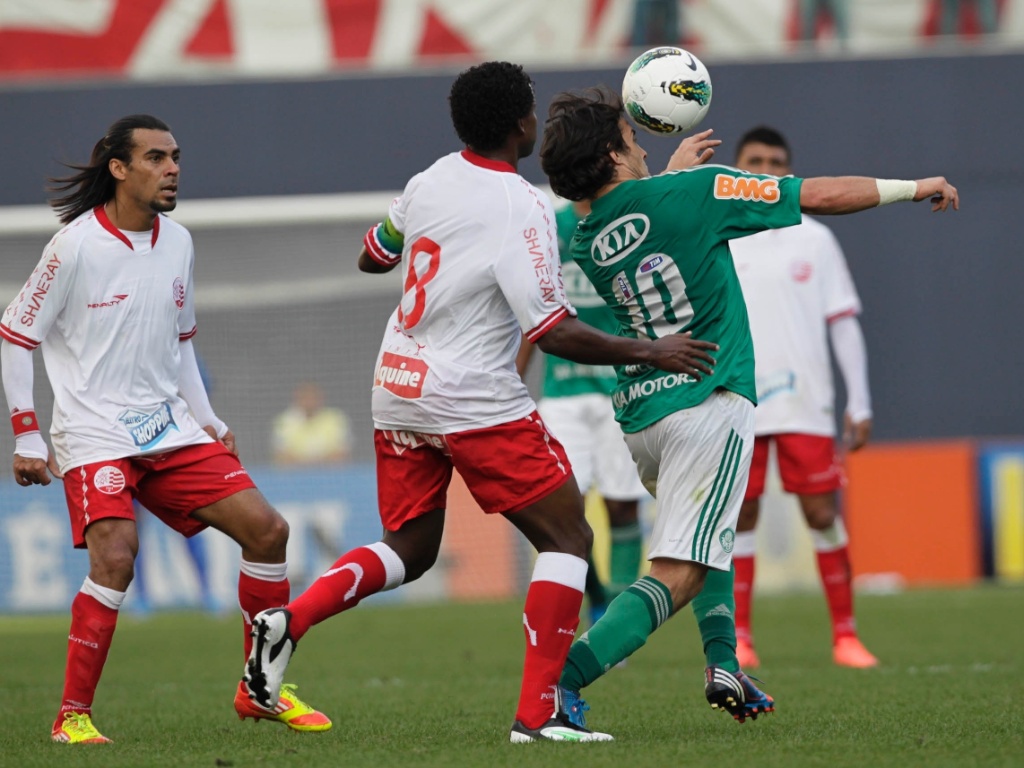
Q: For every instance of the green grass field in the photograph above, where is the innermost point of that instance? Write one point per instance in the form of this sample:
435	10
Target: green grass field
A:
436	686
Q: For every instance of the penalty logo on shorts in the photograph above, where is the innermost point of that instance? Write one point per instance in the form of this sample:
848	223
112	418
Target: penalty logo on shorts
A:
728	538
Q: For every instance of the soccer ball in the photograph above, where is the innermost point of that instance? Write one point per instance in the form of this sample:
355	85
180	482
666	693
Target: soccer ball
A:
666	90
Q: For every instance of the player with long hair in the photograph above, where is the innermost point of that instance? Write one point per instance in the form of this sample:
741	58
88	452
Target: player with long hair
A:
111	304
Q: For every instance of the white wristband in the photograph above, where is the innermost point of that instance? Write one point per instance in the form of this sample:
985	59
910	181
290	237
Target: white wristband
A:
895	190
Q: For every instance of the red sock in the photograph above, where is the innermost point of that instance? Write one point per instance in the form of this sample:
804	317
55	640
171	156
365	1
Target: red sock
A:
834	567
550	618
92	628
743	587
255	595
356	574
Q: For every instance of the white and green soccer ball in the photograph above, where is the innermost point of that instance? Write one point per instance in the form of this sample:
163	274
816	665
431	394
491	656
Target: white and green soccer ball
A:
666	90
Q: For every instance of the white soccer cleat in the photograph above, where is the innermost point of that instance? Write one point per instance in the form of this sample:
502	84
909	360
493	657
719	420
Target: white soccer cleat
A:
555	729
272	648
568	723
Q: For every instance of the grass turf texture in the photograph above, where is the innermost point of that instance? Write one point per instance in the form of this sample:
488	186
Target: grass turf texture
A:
437	685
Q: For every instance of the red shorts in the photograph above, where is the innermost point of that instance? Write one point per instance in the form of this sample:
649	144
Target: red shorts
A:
808	464
171	485
506	467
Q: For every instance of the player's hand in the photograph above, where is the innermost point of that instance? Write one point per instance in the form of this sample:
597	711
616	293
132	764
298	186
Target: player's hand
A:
32	471
942	193
681	353
228	441
855	433
692	151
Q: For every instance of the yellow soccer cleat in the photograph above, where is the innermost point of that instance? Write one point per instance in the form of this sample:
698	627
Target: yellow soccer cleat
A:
290	710
77	728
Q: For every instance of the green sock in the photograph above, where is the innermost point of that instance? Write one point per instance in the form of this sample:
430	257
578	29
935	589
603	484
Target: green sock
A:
626	551
715	609
625	627
593	587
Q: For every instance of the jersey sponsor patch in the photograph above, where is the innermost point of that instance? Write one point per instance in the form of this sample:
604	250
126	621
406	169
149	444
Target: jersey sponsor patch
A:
641	389
776	383
400	375
36	289
620	238
746	188
148	429
109	480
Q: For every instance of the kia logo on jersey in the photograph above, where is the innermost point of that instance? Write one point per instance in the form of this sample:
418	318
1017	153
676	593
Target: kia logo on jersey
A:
109	480
179	292
620	238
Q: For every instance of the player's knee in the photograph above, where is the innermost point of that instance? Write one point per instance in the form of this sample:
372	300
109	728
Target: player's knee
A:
113	566
418	564
621	513
271	538
747	520
820	517
574	537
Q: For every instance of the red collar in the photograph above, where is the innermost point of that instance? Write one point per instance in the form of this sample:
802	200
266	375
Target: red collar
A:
107	224
486	162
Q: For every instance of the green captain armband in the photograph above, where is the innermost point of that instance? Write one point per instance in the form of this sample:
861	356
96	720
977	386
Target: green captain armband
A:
390	237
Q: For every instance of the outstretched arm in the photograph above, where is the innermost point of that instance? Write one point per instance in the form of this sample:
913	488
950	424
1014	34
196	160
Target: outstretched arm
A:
849	194
679	353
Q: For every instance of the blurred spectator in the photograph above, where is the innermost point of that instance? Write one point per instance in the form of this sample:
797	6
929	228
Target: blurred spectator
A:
952	16
308	432
655	22
835	11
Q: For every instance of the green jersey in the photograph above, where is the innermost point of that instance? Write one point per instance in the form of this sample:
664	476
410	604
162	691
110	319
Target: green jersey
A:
564	378
657	250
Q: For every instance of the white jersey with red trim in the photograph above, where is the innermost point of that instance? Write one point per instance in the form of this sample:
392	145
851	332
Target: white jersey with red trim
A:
795	281
481	267
109	309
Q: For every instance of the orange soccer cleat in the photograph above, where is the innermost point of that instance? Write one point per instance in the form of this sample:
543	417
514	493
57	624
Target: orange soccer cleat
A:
290	710
850	652
746	655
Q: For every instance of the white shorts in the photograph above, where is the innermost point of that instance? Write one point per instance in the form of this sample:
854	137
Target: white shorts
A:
585	426
695	462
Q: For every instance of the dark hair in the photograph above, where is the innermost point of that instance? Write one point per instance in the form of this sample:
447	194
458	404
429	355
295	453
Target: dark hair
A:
487	101
581	131
93	185
762	134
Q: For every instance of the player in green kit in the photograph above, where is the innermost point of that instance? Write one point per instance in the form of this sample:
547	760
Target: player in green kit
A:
576	406
656	249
